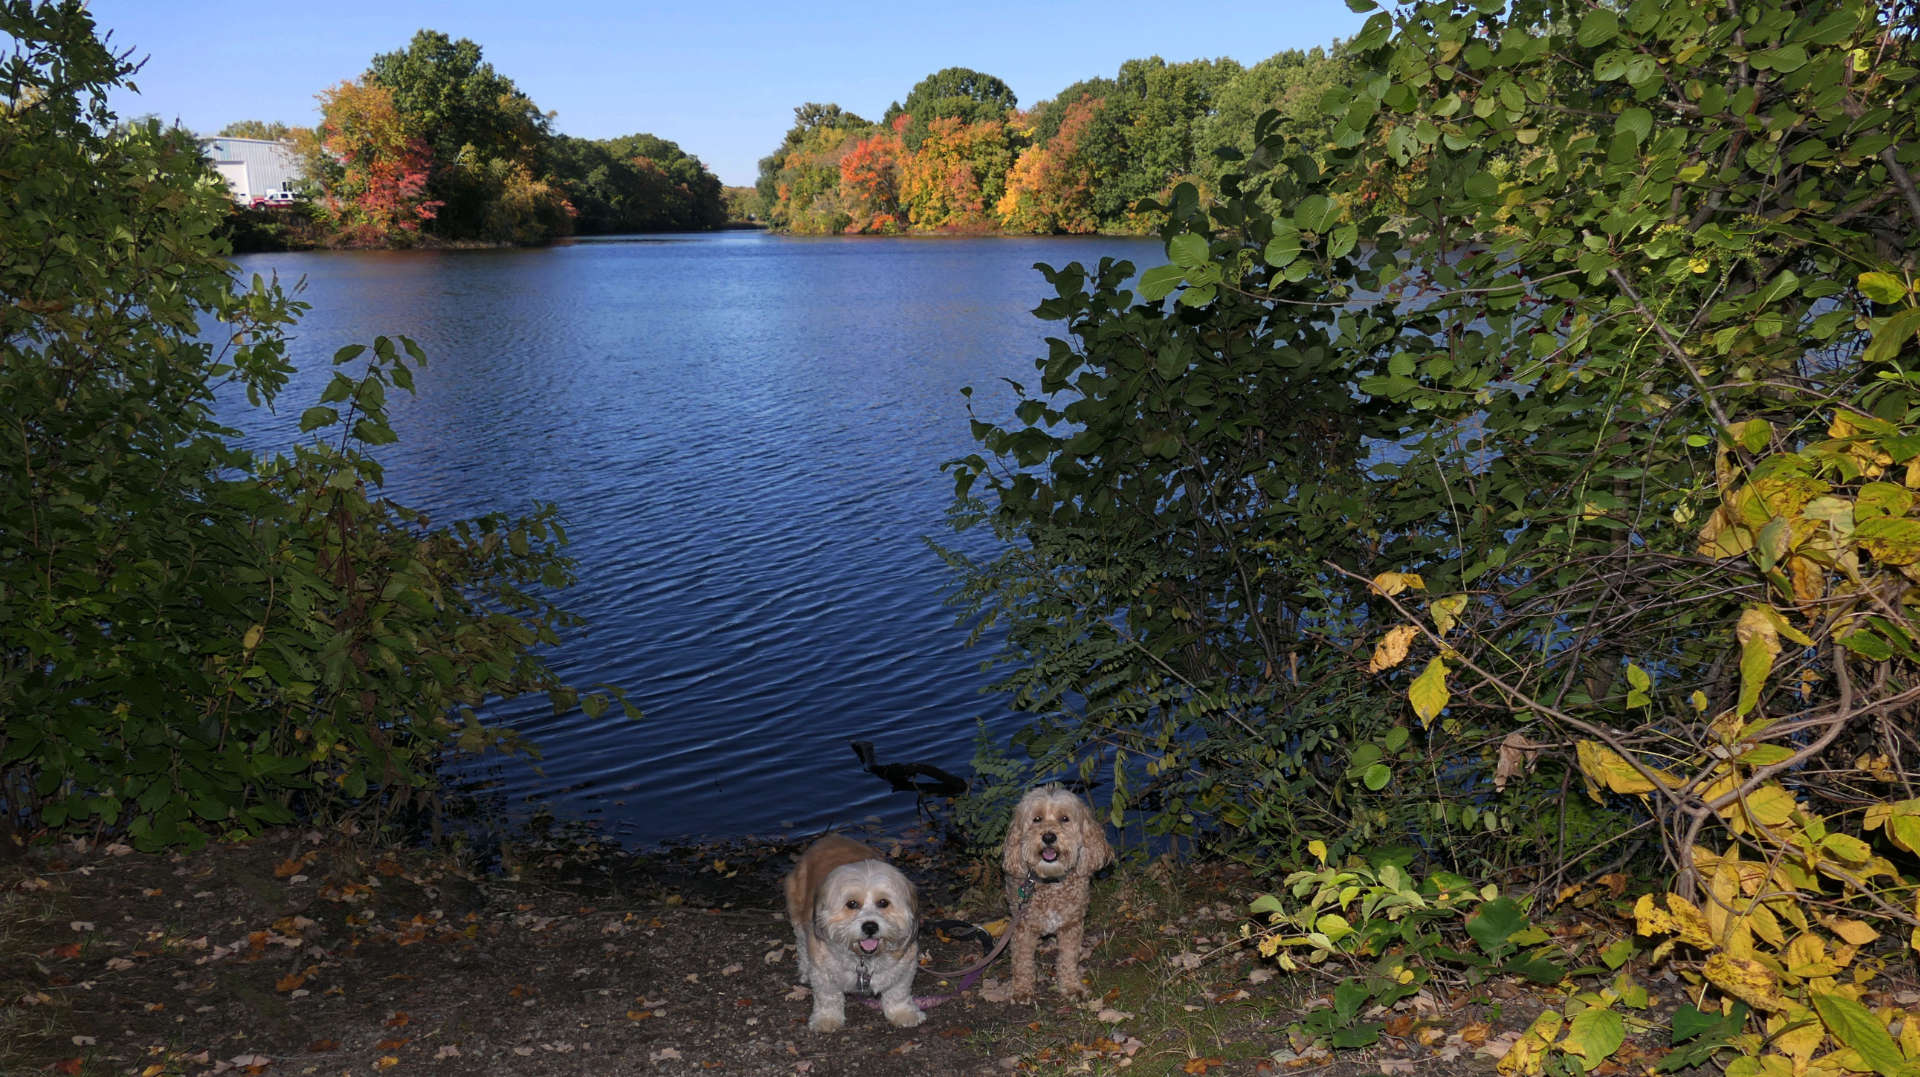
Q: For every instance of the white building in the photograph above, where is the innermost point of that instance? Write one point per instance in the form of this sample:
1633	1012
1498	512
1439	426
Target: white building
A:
252	167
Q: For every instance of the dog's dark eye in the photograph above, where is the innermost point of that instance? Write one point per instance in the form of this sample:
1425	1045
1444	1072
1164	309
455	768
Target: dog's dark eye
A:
883	903
1066	818
1039	818
852	904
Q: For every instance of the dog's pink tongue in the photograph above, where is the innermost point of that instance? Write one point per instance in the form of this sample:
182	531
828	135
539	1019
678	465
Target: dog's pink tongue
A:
1049	855
869	945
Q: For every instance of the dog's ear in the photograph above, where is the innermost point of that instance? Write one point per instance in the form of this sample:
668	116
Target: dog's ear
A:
913	904
1012	852
1094	840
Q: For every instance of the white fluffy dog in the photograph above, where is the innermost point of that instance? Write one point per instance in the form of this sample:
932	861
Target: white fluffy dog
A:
856	929
1054	845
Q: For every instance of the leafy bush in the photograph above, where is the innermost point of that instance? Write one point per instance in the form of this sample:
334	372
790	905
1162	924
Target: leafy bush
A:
194	641
1564	419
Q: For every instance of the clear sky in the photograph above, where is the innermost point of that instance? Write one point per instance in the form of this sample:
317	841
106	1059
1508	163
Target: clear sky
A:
719	77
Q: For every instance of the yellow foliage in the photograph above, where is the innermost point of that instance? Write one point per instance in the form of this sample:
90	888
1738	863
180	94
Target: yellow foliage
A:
1428	692
1747	980
1604	765
1528	1054
1392	648
1392	583
1446	612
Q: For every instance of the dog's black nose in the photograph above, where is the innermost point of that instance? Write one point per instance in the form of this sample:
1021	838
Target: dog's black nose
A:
870	928
1047	838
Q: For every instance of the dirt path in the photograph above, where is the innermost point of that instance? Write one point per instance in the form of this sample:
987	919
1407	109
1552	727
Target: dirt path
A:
300	954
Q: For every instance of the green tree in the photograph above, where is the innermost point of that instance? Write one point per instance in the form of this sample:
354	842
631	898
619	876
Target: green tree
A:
476	123
637	183
194	640
1290	83
271	131
959	93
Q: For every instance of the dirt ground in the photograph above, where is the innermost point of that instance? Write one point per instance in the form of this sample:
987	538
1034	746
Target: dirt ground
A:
307	953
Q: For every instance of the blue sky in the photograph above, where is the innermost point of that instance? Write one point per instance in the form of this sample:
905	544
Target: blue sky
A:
721	78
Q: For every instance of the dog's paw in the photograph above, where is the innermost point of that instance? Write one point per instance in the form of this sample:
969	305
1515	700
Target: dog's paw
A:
906	1016
826	1022
1071	988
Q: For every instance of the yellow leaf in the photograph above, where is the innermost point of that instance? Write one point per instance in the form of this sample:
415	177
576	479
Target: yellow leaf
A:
1528	1053
1797	1033
1610	768
1428	692
1723	536
1446	612
1392	648
1392	583
1854	932
1679	918
1319	850
1759	644
1769	805
1747	980
1809	580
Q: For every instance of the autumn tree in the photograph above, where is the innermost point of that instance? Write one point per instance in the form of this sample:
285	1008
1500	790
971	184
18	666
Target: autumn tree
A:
379	187
870	180
1050	188
800	181
957	177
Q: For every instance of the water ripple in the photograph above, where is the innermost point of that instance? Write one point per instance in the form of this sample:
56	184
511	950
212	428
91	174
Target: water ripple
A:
744	433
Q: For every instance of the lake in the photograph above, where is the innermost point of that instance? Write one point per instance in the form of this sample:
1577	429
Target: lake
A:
745	433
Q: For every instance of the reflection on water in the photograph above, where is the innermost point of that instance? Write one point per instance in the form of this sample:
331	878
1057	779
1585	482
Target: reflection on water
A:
745	433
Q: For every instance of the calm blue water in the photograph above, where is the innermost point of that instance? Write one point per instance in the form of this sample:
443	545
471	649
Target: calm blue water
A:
744	432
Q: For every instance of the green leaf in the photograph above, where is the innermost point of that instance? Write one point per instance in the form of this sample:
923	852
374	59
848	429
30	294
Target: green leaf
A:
1891	334
1595	1034
1889	540
1377	776
1599	27
1316	213
1494	922
1187	250
1160	281
1636	122
1198	297
1284	247
1853	1025
1882	287
316	417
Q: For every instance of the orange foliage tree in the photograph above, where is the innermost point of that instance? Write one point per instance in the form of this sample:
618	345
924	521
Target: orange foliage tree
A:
959	173
1050	188
870	180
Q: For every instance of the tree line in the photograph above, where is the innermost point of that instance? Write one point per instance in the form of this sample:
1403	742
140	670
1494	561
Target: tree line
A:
433	143
959	155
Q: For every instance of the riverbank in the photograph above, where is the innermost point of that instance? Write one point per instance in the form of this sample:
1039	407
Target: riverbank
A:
323	953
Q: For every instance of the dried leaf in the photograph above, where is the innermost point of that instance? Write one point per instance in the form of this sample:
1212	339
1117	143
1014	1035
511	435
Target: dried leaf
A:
1392	648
